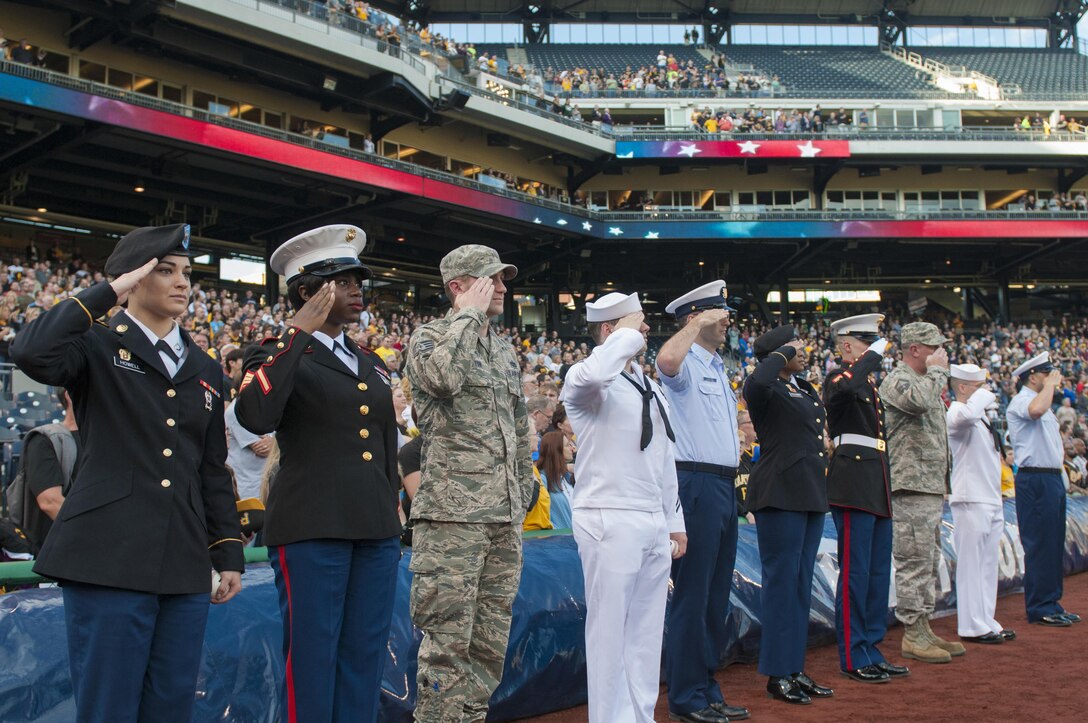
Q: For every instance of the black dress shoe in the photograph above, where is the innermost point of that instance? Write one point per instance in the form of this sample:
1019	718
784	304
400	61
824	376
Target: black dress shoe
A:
811	687
1071	617
868	674
894	671
1054	621
787	690
731	712
987	639
1008	634
706	715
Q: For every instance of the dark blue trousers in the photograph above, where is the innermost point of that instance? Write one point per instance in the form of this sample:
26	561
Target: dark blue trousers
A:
861	595
702	580
1040	515
788	543
134	656
336	599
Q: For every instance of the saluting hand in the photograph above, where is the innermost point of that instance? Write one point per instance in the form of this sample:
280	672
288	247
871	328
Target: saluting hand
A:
631	321
1054	378
712	317
129	280
315	311
938	358
230	584
477	296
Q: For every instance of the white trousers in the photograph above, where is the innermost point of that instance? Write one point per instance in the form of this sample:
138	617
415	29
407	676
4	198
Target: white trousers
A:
626	561
976	538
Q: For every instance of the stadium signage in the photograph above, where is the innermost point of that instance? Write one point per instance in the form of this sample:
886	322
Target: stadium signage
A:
733	149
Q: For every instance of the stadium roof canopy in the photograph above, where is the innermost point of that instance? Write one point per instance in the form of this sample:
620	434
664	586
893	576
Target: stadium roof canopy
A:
1031	13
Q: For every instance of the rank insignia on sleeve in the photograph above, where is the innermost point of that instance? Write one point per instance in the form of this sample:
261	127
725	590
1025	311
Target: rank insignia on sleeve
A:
426	346
246	380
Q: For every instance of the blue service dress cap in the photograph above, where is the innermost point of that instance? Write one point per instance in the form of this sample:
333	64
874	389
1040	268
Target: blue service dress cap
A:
140	245
708	296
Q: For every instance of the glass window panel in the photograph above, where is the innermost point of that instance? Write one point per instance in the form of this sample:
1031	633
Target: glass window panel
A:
723	199
273	120
119	79
802	200
931	200
888	196
746	198
146	86
834	199
250	113
868	196
765	198
782	198
202	100
924	119
969	201
853	195
885	117
95	72
56	62
172	93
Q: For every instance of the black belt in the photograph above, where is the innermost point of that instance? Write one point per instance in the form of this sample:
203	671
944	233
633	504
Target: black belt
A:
719	469
1040	470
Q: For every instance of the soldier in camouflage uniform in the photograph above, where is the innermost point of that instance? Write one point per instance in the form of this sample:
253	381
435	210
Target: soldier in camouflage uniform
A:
918	451
476	485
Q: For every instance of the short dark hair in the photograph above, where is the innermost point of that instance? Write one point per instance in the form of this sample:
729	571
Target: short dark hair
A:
294	289
594	328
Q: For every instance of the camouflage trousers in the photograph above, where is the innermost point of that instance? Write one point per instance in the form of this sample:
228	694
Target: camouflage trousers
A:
465	578
916	551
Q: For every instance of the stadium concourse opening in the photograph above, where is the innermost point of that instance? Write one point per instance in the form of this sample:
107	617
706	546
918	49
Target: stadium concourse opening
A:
925	160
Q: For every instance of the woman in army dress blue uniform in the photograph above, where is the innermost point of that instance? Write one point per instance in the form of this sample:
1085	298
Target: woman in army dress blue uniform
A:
151	510
787	492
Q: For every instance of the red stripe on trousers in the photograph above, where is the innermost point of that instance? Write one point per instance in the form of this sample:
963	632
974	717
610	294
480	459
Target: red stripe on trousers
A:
292	714
844	565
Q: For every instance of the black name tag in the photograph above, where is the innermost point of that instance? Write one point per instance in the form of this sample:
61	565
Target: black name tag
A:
129	365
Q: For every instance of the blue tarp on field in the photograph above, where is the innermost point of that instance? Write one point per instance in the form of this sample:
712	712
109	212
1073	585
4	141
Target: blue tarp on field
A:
545	665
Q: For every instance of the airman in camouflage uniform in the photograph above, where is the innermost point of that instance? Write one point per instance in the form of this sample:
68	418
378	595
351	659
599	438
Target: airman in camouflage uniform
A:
918	451
476	485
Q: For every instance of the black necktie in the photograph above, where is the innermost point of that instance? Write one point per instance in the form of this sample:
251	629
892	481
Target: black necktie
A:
995	434
647	393
162	346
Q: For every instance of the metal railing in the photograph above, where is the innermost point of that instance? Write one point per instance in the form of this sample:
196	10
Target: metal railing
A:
318	15
772	214
854	133
138	99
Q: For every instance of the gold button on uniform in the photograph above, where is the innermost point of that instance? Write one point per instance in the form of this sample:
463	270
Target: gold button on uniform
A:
857	456
364	433
165	483
280	345
362	386
290	331
821	454
367	456
170	422
167	452
364	409
270	358
122	328
819	436
171	393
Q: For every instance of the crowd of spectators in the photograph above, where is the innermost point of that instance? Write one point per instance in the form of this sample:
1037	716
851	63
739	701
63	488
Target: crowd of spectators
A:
1057	201
223	321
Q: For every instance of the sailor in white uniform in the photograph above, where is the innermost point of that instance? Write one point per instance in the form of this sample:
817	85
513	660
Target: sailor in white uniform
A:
626	511
977	511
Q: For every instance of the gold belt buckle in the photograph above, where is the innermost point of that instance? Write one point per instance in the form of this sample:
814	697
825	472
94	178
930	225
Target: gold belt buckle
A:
881	445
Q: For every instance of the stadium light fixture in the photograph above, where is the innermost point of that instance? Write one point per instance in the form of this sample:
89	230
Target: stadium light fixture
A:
43	210
329	84
138	186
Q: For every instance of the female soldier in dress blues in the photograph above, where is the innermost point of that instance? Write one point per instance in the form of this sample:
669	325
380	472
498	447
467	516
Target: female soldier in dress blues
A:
151	510
331	526
787	491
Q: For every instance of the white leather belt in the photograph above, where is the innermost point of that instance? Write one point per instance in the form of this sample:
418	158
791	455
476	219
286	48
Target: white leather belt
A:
861	441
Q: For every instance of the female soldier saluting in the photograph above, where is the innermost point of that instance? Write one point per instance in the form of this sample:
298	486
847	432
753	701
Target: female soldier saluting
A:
331	525
151	510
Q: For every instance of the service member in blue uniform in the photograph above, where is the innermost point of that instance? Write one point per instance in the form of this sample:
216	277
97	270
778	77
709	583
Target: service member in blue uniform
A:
151	511
1040	490
707	453
859	494
787	492
331	523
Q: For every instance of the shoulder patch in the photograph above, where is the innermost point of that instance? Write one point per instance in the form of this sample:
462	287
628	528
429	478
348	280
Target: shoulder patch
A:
425	347
902	386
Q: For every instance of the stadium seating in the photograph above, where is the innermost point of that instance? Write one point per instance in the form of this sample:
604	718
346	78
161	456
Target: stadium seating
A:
1034	70
823	70
613	57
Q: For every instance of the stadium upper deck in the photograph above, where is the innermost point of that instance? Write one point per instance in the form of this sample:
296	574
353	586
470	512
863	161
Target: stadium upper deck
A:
296	155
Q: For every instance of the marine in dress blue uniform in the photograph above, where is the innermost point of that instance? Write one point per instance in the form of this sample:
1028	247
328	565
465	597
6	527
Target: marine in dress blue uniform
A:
151	510
859	494
331	523
707	454
1040	490
787	492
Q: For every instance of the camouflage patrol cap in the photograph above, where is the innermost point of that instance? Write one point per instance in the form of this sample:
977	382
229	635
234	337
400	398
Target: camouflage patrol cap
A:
921	332
474	260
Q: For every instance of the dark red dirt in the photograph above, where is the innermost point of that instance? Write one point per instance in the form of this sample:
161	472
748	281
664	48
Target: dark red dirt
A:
1034	677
